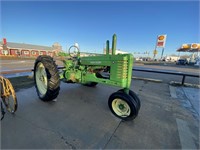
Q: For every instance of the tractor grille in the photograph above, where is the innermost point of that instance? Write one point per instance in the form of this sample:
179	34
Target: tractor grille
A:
122	69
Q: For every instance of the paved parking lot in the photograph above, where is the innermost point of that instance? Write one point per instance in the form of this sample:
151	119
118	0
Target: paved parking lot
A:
80	119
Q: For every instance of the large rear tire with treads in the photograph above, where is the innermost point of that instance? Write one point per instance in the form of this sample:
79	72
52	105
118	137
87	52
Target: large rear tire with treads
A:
46	77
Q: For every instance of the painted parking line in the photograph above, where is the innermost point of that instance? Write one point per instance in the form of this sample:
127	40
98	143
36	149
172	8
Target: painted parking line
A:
185	135
172	90
147	79
16	62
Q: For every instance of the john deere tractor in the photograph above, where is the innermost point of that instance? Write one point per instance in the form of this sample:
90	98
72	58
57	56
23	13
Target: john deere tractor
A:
110	69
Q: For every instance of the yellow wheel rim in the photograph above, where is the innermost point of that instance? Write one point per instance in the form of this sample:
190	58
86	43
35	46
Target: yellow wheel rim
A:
121	108
10	100
41	78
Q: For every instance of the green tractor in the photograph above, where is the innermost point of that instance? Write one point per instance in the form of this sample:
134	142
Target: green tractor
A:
110	69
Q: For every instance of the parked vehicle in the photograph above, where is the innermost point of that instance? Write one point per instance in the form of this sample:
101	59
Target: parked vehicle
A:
138	59
197	61
182	61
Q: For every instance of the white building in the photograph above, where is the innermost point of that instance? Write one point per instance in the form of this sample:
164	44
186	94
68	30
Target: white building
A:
172	58
117	51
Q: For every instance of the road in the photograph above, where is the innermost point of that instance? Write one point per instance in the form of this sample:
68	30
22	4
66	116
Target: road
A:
8	65
166	78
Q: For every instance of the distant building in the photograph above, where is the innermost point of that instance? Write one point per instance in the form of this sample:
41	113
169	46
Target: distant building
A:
117	51
85	54
57	48
171	58
27	50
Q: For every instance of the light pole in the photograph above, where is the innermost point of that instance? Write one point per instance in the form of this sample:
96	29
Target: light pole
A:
162	53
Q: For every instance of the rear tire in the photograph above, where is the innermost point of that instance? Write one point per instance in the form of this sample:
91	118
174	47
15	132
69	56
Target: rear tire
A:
46	77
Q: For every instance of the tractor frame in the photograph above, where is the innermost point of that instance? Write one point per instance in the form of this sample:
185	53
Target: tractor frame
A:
110	69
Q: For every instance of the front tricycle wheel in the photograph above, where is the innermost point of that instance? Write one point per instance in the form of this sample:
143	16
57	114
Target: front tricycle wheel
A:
123	106
46	77
135	98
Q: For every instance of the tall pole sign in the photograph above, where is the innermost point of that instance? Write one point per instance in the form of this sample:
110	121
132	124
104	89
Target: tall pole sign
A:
4	43
161	40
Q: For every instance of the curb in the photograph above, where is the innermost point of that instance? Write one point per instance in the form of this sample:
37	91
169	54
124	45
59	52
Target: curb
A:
174	83
148	79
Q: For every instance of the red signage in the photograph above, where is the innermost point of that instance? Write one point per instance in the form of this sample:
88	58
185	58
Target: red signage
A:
161	41
4	41
160	44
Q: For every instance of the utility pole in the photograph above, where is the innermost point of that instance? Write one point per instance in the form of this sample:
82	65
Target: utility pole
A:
162	53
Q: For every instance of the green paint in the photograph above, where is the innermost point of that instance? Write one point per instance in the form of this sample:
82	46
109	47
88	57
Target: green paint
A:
107	47
87	69
114	43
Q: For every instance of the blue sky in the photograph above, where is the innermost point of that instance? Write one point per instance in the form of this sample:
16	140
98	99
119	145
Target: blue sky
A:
89	23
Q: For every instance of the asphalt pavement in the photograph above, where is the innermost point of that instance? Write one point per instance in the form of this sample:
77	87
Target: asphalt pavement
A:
80	119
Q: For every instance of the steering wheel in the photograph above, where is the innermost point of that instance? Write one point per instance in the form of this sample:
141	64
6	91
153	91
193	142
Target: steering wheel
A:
73	51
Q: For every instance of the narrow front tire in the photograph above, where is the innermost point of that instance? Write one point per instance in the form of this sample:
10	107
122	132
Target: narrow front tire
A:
123	106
